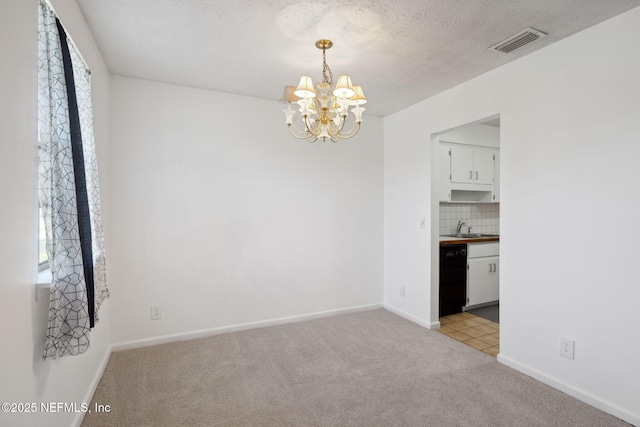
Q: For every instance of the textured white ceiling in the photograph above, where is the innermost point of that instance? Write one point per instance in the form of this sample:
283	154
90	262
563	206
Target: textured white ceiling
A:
400	51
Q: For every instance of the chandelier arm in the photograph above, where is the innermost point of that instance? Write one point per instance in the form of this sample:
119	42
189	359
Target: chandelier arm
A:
311	130
307	135
342	122
353	131
335	133
295	135
336	129
296	132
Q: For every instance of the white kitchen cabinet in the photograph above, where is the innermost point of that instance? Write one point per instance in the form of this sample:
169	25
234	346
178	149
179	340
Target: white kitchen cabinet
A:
461	164
483	265
445	174
496	179
483	166
468	173
472	165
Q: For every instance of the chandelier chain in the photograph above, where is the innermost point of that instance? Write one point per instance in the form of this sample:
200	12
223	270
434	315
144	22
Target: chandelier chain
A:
326	69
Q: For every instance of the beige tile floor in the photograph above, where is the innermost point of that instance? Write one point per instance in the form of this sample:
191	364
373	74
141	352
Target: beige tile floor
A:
472	330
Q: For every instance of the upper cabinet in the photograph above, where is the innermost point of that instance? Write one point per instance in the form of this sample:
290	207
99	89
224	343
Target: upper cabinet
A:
469	173
472	165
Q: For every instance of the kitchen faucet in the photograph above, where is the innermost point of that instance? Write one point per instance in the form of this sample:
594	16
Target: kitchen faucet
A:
459	229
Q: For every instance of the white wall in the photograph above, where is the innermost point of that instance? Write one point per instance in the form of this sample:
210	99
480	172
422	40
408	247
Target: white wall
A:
474	134
570	146
223	218
24	375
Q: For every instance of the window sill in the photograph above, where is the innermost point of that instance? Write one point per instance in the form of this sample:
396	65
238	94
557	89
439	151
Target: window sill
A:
43	286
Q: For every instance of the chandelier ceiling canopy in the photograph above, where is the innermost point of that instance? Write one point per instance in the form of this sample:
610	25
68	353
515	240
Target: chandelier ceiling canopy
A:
325	111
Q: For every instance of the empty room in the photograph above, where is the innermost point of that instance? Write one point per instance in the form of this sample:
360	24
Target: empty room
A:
355	213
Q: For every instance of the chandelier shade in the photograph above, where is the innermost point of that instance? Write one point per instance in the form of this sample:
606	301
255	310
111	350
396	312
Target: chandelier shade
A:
289	94
324	111
344	88
305	88
358	98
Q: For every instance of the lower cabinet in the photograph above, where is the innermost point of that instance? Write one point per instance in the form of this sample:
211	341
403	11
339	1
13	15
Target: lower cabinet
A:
483	264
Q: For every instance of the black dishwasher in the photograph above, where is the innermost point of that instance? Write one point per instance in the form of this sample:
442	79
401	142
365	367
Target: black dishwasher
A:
453	279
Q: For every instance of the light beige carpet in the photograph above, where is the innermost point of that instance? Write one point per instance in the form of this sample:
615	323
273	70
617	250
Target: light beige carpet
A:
364	369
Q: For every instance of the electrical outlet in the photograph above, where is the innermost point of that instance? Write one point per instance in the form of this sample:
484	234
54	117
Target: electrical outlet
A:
567	347
156	312
402	290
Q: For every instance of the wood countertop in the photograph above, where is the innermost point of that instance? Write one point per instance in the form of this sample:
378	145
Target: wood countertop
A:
445	240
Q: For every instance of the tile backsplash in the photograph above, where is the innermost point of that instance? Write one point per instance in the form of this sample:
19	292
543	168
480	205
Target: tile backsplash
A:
481	217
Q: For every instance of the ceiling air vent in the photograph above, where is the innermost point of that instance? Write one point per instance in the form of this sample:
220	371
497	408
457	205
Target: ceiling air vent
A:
518	40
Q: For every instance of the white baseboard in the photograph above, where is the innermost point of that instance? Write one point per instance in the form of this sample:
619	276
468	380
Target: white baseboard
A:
93	385
401	313
184	336
484	304
579	394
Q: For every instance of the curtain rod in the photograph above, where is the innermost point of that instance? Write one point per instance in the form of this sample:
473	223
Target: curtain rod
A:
69	39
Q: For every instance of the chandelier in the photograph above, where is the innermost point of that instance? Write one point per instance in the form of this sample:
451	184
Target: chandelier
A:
324	111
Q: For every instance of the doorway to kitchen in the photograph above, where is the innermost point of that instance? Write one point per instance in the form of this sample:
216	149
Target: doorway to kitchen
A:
466	221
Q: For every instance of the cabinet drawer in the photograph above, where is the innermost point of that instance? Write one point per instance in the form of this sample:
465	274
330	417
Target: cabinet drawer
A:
476	250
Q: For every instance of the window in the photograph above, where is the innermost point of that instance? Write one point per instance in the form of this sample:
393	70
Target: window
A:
43	259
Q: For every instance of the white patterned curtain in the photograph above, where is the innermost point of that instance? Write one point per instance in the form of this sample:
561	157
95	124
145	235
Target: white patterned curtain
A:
74	300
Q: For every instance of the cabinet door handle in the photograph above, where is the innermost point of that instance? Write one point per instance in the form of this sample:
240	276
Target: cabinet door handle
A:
476	176
495	268
490	270
470	174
